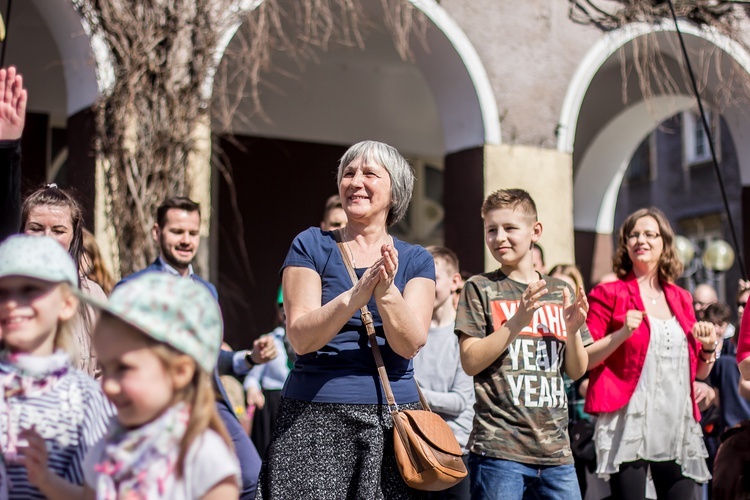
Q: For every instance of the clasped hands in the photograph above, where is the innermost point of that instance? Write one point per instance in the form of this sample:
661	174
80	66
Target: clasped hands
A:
379	277
574	311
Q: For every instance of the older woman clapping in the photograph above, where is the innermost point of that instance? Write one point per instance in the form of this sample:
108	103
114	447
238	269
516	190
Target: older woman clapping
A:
648	351
333	436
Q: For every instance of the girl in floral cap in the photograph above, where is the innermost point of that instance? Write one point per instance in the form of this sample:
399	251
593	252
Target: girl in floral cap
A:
50	413
157	341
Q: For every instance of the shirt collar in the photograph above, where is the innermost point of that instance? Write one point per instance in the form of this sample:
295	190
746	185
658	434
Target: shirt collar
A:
172	270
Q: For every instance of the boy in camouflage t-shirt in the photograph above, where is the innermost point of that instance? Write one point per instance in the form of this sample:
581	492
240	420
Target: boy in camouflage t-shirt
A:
518	332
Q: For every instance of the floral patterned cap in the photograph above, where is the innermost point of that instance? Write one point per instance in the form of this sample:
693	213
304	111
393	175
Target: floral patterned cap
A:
39	257
173	310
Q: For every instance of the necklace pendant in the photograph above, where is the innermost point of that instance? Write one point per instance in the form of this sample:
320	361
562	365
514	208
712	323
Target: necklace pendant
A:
653	301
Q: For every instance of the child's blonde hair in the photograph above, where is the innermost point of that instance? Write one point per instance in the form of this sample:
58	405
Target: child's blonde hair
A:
64	333
199	395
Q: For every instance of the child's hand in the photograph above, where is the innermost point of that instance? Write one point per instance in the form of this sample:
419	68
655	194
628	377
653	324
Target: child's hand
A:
34	458
575	312
527	305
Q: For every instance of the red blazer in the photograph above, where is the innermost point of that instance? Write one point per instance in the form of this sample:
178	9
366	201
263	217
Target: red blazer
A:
612	383
743	341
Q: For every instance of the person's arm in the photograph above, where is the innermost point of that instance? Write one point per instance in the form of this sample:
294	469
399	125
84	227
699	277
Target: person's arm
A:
264	350
744	388
598	321
743	347
252	387
479	353
458	397
705	395
705	333
310	325
227	488
576	358
13	99
35	460
406	318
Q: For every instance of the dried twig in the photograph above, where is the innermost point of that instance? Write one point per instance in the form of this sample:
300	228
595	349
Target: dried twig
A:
163	52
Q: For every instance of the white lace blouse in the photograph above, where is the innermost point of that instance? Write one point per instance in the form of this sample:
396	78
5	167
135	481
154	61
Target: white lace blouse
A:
657	424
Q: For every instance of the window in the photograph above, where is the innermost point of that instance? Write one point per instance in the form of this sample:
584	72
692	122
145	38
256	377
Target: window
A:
697	149
640	166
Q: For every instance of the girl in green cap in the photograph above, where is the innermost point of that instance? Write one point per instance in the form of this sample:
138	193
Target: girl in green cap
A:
50	413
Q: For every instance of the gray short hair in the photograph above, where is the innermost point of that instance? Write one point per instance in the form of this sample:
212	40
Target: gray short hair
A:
402	175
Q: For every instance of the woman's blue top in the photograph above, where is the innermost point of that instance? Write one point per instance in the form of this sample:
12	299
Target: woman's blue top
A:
344	371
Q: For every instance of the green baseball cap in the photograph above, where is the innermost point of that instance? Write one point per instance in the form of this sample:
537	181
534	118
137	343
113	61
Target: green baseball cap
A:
39	257
173	310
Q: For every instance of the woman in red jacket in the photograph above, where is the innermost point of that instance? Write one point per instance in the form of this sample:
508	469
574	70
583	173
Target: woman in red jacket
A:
648	350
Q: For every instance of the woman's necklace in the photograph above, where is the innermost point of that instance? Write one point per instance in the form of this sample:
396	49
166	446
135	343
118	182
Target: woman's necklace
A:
652	299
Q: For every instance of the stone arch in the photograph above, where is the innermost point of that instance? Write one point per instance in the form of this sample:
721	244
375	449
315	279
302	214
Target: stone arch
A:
438	109
597	180
457	80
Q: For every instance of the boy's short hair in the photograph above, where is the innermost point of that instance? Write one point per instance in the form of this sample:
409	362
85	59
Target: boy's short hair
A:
333	201
510	198
718	313
445	253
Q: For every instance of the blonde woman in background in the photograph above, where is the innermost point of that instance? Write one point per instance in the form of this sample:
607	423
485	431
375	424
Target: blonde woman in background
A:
570	274
92	264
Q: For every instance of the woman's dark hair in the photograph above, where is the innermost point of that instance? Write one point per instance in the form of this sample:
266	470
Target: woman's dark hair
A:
670	266
52	196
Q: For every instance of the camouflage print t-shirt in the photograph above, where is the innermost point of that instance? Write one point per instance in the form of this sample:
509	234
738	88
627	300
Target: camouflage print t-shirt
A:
521	409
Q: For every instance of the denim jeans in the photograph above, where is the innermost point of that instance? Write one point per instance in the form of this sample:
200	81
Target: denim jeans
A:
495	479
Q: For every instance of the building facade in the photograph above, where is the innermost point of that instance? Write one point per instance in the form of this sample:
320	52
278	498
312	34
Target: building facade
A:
502	94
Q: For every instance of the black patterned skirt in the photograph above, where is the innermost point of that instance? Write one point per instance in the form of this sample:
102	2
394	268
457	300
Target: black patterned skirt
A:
331	451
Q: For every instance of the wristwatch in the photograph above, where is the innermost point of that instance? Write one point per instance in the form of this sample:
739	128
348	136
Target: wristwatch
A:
249	359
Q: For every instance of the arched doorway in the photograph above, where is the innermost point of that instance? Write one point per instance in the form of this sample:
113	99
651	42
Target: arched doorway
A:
603	132
438	110
48	45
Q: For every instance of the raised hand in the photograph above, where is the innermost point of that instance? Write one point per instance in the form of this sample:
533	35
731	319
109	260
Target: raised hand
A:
528	304
363	290
387	269
575	312
34	458
264	350
705	333
13	99
633	319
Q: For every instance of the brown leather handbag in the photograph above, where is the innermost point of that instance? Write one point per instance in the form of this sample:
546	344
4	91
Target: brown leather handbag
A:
428	455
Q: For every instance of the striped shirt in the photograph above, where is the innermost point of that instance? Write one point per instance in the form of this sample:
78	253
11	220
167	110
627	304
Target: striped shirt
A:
71	416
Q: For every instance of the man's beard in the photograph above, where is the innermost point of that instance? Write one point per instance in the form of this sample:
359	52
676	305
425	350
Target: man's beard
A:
173	259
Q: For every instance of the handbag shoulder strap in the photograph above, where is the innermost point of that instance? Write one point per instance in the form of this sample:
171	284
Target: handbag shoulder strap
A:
369	325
